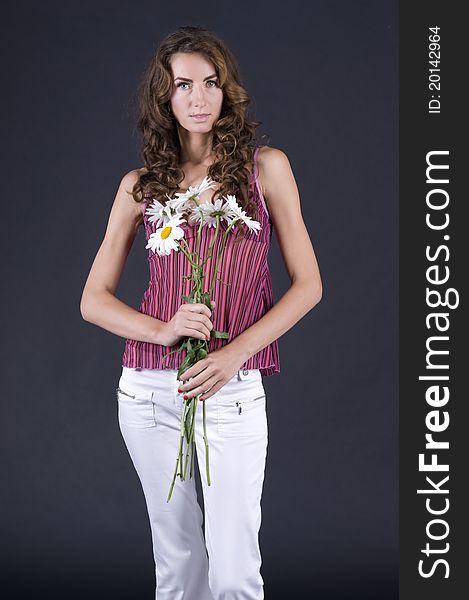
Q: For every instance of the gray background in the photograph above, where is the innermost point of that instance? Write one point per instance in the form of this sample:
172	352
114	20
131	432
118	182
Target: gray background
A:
323	79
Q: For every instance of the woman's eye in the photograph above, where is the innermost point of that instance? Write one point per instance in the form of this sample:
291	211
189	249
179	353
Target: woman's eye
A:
209	81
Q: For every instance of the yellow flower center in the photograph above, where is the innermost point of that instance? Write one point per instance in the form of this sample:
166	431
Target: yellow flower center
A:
166	232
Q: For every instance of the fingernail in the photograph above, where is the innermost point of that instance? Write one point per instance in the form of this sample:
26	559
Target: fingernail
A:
180	391
186	397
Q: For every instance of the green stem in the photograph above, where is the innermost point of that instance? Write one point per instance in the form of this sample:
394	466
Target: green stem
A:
192	434
190	437
189	258
207	465
179	457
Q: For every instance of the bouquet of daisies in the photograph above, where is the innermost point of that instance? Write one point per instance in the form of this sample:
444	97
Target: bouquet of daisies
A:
169	237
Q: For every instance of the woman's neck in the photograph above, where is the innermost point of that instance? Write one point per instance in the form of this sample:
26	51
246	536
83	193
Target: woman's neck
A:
196	149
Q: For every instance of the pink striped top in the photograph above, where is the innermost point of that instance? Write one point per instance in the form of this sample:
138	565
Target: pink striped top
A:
242	297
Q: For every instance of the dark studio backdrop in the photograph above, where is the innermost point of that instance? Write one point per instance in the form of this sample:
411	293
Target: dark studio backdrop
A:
323	80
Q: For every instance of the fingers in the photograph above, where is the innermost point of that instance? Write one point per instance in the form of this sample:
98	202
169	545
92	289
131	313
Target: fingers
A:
197	324
206	382
213	390
207	388
198	307
199	321
190	320
197	333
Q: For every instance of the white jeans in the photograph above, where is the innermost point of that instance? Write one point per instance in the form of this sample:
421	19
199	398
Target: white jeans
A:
149	415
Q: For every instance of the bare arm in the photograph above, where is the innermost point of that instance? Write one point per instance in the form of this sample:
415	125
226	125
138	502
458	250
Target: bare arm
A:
99	304
282	197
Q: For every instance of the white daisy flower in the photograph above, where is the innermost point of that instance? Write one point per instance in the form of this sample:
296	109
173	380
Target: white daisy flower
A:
156	212
210	210
163	240
194	192
178	205
237	213
235	209
161	213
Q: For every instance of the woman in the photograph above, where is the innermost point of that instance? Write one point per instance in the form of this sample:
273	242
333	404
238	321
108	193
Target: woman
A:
194	124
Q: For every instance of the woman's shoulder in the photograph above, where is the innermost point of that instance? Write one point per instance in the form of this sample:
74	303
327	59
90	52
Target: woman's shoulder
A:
131	177
269	160
268	154
127	183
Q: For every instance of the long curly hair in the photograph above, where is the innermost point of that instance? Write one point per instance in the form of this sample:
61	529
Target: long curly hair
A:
233	135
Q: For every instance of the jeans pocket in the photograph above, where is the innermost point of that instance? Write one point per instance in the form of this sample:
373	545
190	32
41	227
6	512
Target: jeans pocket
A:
135	407
242	414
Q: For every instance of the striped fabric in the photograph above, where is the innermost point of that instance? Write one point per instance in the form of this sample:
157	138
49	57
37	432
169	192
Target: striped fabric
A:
242	292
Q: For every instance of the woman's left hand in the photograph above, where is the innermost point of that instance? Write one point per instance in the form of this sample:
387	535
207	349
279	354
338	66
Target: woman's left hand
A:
211	373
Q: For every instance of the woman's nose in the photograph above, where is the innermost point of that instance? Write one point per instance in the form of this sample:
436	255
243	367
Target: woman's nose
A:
198	97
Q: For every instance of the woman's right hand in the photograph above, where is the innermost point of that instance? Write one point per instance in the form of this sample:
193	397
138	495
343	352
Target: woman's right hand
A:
190	320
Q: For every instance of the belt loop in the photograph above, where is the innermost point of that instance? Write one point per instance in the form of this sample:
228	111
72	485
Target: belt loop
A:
239	374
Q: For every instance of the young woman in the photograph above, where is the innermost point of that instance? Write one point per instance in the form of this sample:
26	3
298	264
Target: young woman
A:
194	124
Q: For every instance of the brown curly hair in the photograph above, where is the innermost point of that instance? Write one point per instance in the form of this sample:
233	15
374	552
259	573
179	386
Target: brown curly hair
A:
233	135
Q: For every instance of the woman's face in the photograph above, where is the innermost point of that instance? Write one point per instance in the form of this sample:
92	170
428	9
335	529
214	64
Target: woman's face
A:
195	91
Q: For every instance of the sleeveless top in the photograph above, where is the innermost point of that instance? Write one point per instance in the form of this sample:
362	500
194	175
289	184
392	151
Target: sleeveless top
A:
242	297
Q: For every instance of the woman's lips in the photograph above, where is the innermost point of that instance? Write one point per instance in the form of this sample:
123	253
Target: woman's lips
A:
200	117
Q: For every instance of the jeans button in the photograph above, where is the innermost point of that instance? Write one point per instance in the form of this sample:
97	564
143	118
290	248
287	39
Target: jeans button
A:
245	372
